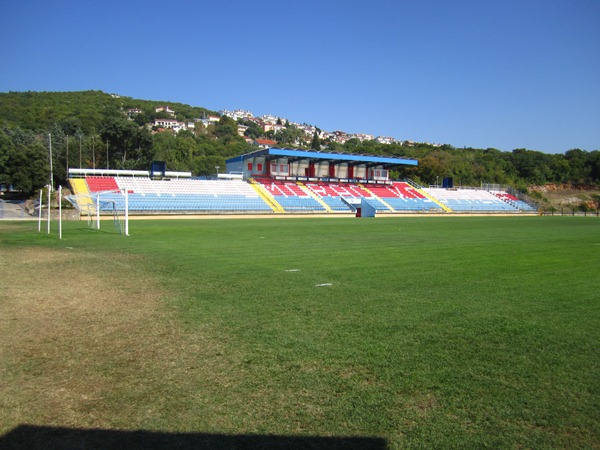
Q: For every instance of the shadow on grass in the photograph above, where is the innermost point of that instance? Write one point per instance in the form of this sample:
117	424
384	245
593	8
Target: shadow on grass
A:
33	437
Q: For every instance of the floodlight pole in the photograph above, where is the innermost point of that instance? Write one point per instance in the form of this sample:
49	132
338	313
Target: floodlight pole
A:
50	155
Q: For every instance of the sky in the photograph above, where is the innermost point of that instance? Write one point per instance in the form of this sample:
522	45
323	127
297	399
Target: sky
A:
502	74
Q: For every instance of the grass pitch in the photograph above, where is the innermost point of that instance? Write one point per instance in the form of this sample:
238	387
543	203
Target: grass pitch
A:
412	332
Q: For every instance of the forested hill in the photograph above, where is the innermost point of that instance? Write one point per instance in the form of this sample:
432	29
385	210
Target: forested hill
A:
93	128
78	111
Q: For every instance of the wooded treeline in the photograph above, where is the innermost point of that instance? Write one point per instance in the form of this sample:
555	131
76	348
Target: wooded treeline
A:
92	129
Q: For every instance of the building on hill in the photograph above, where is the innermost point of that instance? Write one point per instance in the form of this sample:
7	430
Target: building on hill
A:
264	143
385	140
236	114
134	112
165	109
172	124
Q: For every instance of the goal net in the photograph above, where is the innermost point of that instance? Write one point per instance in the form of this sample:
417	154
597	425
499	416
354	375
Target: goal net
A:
106	205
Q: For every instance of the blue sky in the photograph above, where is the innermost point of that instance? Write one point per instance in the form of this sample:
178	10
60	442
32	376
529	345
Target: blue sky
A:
505	74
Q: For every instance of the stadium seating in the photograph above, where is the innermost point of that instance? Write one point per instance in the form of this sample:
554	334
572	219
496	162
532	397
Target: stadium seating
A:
290	195
193	195
514	201
470	200
81	191
99	184
384	198
402	196
333	193
146	195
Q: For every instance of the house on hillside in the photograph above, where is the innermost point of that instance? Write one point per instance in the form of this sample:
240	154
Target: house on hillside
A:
237	114
133	112
277	128
172	124
166	109
264	143
385	140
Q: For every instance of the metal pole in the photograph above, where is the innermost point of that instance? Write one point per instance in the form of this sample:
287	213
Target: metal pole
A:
49	193
98	212
126	213
59	212
50	154
40	211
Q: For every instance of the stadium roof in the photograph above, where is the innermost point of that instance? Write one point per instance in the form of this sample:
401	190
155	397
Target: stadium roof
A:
328	156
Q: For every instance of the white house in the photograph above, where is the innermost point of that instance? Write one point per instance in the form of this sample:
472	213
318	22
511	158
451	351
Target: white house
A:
166	109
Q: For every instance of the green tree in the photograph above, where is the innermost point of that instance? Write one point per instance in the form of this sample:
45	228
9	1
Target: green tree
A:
253	131
24	161
226	129
121	136
316	142
579	170
291	136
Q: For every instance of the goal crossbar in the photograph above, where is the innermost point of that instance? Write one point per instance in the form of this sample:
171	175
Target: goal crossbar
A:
114	203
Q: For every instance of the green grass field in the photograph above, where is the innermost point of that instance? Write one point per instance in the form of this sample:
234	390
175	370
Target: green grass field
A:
445	332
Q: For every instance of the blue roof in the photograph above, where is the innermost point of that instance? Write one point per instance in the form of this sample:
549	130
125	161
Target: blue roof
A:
330	156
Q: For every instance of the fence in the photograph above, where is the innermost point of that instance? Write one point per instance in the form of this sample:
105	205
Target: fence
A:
570	212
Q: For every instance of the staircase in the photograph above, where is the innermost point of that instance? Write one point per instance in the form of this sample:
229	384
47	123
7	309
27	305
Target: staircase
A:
315	196
266	196
386	204
419	188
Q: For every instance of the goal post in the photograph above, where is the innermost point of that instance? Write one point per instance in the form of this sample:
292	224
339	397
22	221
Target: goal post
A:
93	206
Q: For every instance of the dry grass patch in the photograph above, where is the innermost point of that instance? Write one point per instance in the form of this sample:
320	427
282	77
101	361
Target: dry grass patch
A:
87	342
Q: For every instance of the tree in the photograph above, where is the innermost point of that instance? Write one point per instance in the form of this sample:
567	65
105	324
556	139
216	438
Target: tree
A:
253	131
121	137
6	151
226	129
579	171
316	142
24	160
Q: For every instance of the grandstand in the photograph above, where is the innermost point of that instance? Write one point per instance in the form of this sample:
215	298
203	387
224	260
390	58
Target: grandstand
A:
470	200
147	196
282	181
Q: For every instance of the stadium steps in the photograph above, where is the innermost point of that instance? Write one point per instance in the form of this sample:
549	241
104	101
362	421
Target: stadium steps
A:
420	189
82	193
315	196
436	201
267	197
387	205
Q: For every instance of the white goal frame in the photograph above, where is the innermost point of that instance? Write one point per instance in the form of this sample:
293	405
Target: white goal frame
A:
92	207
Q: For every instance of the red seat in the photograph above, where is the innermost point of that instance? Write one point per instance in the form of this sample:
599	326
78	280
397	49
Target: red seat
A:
99	184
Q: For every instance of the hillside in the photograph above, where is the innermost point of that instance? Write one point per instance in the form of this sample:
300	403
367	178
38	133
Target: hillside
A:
96	129
85	111
566	196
